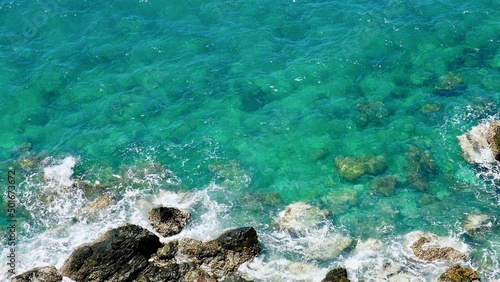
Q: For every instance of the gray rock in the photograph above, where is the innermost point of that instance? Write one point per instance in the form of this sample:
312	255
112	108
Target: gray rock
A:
118	255
168	221
44	273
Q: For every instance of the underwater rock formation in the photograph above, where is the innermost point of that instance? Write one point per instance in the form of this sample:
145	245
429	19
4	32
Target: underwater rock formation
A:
476	222
299	216
450	85
352	168
457	273
481	145
168	221
44	273
371	113
384	185
421	167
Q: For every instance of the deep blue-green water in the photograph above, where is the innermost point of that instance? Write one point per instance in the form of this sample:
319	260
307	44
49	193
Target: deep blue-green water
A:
233	110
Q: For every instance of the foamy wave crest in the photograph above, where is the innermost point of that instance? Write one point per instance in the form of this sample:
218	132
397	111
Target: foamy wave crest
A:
59	175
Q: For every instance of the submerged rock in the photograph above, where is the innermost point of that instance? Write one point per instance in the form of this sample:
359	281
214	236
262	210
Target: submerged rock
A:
450	85
430	108
384	185
168	221
371	113
333	245
480	145
352	168
118	255
421	167
93	208
44	273
476	222
299	216
457	273
336	275
430	247
390	271
371	244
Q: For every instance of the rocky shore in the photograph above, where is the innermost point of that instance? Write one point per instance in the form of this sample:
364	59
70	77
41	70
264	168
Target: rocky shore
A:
133	253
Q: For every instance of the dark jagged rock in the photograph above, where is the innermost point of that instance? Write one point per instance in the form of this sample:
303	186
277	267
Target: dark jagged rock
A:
168	221
118	255
457	273
222	256
171	271
493	139
188	259
44	273
432	254
239	239
336	275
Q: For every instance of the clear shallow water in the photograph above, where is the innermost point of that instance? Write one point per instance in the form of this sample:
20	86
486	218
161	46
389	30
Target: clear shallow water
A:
231	104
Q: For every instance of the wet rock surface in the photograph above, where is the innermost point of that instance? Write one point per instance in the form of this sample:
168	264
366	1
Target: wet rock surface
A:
44	273
168	221
118	255
457	273
436	253
481	144
129	253
336	275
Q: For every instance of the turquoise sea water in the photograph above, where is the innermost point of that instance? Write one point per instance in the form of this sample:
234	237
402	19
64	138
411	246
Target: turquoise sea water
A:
239	108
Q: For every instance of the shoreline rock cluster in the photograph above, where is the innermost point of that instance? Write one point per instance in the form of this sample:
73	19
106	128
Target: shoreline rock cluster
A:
481	145
133	253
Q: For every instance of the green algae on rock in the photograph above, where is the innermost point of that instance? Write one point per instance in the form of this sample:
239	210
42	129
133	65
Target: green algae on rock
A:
421	167
384	185
450	85
352	168
371	113
457	273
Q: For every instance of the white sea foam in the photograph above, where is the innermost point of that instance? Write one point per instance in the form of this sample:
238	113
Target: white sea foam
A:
288	256
59	175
